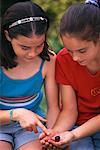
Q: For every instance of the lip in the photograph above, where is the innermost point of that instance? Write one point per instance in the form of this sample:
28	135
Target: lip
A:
82	62
29	59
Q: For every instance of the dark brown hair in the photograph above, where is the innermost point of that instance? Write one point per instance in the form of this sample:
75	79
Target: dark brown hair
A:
81	21
18	11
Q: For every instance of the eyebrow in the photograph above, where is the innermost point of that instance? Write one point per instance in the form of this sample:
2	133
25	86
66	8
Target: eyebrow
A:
76	49
29	46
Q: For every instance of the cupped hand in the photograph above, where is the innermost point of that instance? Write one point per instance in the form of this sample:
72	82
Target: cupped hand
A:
65	139
45	138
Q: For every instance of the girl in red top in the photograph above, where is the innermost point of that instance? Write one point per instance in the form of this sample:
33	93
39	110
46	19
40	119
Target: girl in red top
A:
78	76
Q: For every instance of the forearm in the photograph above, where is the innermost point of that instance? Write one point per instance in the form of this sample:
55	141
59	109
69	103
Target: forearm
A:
65	121
52	115
90	127
4	116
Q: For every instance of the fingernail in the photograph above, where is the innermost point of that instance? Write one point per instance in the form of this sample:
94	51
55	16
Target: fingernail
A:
48	133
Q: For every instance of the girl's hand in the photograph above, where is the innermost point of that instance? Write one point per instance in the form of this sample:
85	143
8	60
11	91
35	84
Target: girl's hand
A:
29	120
65	139
45	138
49	142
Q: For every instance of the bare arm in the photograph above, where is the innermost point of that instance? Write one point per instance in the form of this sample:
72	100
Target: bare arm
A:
51	91
90	127
27	119
68	115
4	116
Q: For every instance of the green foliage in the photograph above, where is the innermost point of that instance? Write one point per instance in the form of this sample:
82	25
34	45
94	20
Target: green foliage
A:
55	9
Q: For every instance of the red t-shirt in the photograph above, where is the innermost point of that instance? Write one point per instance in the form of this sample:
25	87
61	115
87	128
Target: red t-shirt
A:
86	86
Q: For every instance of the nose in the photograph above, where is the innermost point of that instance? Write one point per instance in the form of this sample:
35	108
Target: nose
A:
31	53
75	57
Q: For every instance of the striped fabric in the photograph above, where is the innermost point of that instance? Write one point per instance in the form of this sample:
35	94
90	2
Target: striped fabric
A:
29	102
17	101
25	93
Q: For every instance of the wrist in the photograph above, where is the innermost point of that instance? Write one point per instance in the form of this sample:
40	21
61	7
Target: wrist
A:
14	114
74	135
11	114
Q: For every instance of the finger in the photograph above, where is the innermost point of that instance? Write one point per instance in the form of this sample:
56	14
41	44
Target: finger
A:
42	135
43	147
54	143
42	142
29	129
35	129
45	130
54	148
50	145
47	146
41	118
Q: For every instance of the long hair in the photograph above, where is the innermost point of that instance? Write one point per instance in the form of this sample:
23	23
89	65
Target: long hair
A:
17	12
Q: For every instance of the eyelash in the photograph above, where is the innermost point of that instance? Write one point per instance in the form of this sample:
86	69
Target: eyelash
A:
81	51
24	48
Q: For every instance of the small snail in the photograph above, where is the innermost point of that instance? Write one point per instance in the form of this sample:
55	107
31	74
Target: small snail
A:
57	138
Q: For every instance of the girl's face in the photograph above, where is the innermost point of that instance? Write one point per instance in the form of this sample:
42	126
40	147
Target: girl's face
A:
84	52
27	48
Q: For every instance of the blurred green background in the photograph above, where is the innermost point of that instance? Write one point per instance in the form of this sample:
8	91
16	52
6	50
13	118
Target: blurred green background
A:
55	10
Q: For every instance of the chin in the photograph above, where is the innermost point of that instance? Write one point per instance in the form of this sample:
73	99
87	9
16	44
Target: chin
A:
29	59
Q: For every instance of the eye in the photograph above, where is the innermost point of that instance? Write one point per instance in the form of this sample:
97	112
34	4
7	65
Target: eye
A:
82	50
25	48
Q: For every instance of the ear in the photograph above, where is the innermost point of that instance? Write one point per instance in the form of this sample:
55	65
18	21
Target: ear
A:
7	35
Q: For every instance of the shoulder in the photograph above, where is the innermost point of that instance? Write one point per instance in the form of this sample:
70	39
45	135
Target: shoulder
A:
63	57
65	62
52	56
49	66
63	54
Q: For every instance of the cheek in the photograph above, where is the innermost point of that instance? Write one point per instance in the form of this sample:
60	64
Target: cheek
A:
39	50
18	51
92	55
